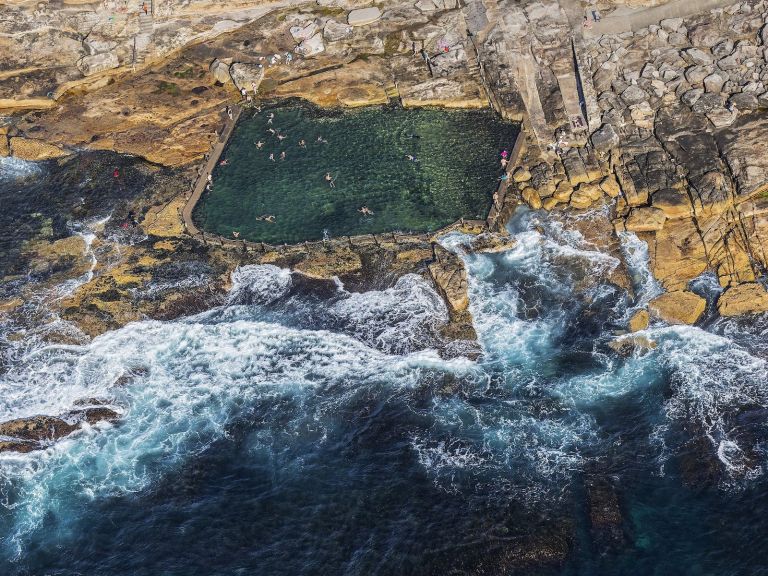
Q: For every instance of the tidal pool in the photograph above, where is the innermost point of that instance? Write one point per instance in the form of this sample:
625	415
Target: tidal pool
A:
453	173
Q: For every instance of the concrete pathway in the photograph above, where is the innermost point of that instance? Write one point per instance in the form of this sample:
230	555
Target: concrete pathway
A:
626	19
213	159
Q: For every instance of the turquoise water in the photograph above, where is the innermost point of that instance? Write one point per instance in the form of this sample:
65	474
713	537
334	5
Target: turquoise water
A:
455	173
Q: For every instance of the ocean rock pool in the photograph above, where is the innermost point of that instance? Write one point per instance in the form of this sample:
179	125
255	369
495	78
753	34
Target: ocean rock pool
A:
453	173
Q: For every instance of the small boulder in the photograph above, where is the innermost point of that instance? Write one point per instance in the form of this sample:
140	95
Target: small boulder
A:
744	101
695	74
304	32
690	97
585	195
723	49
634	95
311	46
708	102
363	16
605	138
450	278
531	197
610	186
714	83
246	76
37	428
698	57
722	117
671	24
678	307
425	6
335	31
521	175
220	71
627	345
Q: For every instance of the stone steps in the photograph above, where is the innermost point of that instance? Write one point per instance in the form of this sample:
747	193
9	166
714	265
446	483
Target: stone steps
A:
392	92
143	39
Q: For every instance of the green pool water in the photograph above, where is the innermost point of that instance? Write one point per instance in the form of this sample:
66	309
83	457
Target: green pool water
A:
455	173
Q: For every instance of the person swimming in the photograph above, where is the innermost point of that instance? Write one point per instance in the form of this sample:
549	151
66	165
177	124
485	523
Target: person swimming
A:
235	233
259	144
272	157
282	155
271	130
302	144
330	179
271	117
411	157
281	137
266	218
224	162
365	211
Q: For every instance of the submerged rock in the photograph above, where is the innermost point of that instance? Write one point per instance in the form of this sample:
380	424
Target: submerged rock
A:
35	432
604	513
37	428
628	345
18	446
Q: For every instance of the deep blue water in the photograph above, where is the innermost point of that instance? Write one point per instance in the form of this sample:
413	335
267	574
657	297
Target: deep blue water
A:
286	433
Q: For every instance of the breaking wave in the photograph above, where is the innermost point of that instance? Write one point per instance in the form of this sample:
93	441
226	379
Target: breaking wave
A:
329	386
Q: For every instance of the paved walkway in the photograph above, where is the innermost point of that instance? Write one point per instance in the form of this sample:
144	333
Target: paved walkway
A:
625	19
202	180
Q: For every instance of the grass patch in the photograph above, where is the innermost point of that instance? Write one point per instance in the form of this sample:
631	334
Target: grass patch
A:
187	73
164	87
391	44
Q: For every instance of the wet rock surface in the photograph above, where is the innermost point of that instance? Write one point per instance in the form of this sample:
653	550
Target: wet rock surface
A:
36	432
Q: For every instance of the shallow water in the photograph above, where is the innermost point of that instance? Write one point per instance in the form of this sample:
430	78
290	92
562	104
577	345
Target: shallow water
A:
286	433
455	173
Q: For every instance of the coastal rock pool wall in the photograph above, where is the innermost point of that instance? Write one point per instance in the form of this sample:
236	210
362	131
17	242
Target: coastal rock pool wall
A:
415	170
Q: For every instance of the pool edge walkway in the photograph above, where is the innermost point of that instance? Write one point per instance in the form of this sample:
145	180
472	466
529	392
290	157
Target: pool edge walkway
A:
202	180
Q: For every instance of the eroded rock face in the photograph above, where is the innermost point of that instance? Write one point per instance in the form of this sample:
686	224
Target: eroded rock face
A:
450	277
743	299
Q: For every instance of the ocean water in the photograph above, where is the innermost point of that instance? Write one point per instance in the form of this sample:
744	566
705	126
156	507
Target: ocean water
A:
453	175
289	433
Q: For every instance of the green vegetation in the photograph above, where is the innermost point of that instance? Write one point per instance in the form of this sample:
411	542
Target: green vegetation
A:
164	87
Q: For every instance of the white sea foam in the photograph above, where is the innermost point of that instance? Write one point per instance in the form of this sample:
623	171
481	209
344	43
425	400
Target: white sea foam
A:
259	284
194	380
636	256
397	320
12	168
